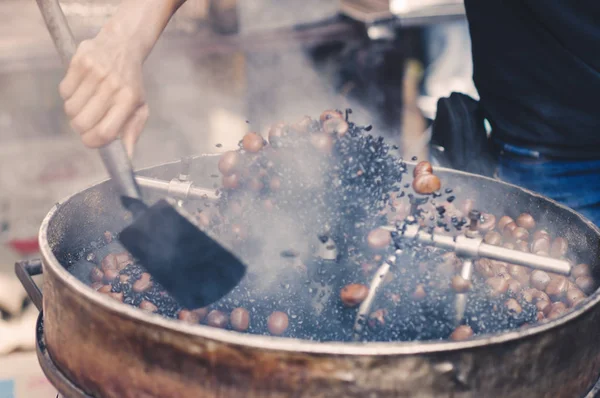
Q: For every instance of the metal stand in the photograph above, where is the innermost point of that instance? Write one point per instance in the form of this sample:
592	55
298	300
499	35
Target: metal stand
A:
181	187
469	247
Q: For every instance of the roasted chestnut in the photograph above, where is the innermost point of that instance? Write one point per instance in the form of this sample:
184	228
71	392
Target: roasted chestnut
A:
539	279
240	319
461	333
335	126
252	142
231	181
513	305
503	221
460	285
493	238
559	248
229	163
277	323
322	142
426	184
217	319
423	167
379	239
330	114
354	294
526	221
580	270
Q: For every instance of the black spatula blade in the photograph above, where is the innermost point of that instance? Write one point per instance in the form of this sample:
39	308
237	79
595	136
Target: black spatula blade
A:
189	264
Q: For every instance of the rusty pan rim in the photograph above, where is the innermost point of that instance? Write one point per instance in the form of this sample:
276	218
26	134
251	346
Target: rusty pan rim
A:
297	345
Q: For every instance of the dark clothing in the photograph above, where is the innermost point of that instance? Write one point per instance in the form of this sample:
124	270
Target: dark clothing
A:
575	184
537	69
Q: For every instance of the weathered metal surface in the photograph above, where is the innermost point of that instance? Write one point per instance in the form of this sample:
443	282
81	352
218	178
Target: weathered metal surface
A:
113	350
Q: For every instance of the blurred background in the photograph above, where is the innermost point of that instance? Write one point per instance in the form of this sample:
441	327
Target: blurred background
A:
223	67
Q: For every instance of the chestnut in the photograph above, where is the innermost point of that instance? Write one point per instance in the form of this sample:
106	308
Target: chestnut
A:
230	163
463	332
276	131
507	231
240	319
252	142
354	294
336	126
231	181
110	275
109	262
488	222
540	316
540	244
123	260
520	233
556	310
303	125
148	306
557	288
519	273
559	248
377	318
503	221
514	286
143	284
574	296
330	114
379	239
539	279
96	275
497	285
581	270
484	267
217	319
277	323
529	295
513	305
493	238
526	221
105	289
541	233
522	245
322	142
543	306
586	284
509	245
419	293
460	285
275	183
255	184
423	167
426	184
192	317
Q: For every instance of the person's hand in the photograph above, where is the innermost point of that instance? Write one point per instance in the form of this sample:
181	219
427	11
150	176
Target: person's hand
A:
103	91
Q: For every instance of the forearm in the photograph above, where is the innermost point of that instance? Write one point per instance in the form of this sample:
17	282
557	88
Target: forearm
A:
141	22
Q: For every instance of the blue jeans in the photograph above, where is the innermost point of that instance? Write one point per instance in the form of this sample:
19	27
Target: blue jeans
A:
575	184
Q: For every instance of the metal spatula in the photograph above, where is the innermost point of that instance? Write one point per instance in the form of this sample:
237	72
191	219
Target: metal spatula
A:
191	266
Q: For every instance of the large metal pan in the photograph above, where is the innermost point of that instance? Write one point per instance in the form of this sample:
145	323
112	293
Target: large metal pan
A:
113	350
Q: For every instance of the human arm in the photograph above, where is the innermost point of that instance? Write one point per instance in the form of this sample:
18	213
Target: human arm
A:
103	88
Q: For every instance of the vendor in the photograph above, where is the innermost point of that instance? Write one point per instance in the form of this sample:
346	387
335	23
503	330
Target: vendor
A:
535	68
538	78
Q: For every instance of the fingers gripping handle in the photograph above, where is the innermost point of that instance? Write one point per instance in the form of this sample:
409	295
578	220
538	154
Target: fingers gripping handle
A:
113	155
